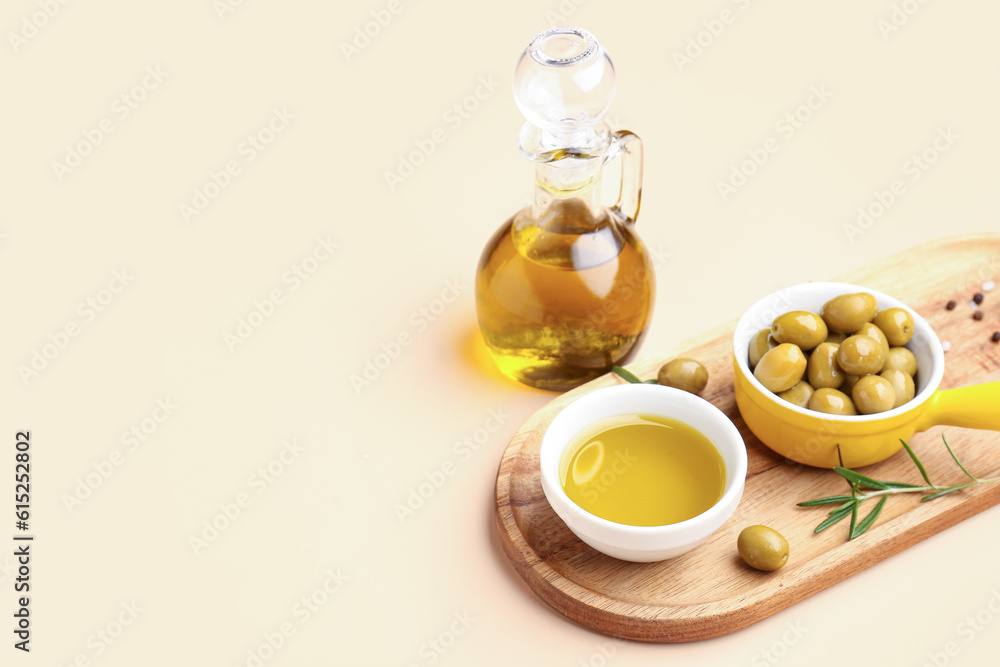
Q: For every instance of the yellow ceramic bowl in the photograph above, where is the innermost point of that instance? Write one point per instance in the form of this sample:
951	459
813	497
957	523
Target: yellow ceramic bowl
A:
811	437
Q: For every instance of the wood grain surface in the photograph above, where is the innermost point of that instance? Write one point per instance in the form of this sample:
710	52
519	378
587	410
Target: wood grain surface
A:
709	591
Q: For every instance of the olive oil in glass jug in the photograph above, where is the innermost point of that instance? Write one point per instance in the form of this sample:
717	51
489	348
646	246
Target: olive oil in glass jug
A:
564	289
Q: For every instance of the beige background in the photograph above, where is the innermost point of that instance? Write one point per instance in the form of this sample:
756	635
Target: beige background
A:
332	507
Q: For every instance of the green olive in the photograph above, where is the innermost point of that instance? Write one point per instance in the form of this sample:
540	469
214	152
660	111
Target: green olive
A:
897	323
902	359
861	355
832	402
759	345
848	312
874	332
799	394
682	373
836	338
849	382
870	302
762	548
781	368
799	327
872	394
902	384
823	369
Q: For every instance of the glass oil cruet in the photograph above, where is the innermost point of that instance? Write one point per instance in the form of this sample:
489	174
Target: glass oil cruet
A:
564	289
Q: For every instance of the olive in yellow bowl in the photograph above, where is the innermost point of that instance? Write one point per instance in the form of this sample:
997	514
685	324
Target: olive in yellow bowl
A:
812	437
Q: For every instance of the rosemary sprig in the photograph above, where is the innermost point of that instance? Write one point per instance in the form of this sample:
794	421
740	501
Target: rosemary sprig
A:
865	488
631	377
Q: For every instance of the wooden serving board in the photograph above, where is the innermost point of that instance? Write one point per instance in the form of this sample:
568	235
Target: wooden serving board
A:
709	591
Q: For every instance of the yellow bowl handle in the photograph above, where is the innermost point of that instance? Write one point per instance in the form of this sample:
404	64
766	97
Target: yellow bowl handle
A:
977	406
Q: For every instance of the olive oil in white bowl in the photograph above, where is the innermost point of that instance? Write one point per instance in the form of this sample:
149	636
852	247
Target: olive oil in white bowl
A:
571	429
643	470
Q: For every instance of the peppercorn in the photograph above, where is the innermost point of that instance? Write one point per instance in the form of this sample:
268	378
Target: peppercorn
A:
978	315
978	298
951	305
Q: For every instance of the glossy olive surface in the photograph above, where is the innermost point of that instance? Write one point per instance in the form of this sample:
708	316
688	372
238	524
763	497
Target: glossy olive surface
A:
781	368
762	548
848	312
683	373
861	355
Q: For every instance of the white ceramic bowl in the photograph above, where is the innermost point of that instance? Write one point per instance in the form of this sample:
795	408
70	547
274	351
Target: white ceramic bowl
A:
643	543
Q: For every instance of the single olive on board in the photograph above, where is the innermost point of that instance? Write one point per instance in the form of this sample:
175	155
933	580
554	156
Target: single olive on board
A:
799	394
781	368
873	394
800	327
901	359
762	548
849	312
832	402
861	355
823	368
897	324
683	373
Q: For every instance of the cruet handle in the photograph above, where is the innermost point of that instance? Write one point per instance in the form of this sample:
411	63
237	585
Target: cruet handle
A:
630	191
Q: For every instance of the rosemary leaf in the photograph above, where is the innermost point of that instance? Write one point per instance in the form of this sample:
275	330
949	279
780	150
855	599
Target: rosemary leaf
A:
949	490
859	479
916	461
867	522
854	521
838	508
626	375
829	500
967	473
829	521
